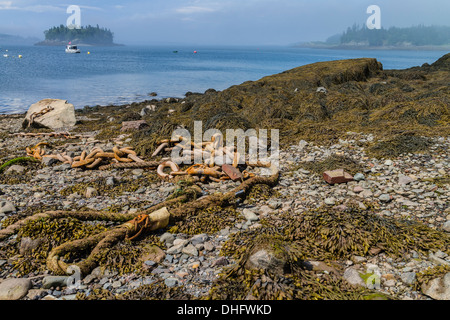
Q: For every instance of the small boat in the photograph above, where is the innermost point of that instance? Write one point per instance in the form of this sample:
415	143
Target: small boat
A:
72	49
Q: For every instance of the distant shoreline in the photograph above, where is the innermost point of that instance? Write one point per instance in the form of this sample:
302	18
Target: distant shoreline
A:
47	43
362	47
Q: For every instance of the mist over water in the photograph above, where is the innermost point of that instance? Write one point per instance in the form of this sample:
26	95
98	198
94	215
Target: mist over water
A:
121	75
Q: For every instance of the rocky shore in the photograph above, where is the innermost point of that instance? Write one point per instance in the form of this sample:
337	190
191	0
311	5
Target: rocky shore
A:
400	184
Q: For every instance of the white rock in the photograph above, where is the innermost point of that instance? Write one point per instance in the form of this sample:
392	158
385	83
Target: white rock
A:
61	114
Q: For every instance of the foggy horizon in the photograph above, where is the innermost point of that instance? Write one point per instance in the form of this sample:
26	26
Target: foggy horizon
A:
227	23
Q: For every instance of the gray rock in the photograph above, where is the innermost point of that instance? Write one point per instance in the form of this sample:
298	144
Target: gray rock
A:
199	239
190	250
250	215
359	177
273	204
167	238
62	167
404	180
352	276
171	282
15	169
110	181
7	207
54	281
175	249
149	263
208	246
14	288
219	262
436	260
49	161
446	226
384	197
438	288
330	201
408	277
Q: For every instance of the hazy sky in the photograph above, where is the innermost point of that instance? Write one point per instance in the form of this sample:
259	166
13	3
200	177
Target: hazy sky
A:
203	22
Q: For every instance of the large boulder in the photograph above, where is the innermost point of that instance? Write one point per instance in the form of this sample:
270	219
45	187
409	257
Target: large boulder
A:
50	113
438	288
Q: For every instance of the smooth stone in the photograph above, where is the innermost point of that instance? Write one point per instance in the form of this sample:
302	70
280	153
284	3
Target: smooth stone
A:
62	167
352	276
14	288
175	249
330	201
384	197
171	282
7	207
15	168
190	250
199	239
446	226
404	180
167	238
250	215
359	177
153	253
54	281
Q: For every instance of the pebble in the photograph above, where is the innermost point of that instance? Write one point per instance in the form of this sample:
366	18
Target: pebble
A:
401	188
446	226
190	250
385	197
250	215
171	282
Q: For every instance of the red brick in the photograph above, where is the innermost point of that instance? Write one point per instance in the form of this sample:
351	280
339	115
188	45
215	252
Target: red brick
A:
337	176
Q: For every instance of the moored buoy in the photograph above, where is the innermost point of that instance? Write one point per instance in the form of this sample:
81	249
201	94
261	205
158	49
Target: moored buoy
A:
19	56
88	52
195	51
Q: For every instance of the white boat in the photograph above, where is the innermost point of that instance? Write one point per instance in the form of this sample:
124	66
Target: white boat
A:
72	49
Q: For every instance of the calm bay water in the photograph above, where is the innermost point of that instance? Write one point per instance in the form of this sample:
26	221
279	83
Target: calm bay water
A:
121	75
